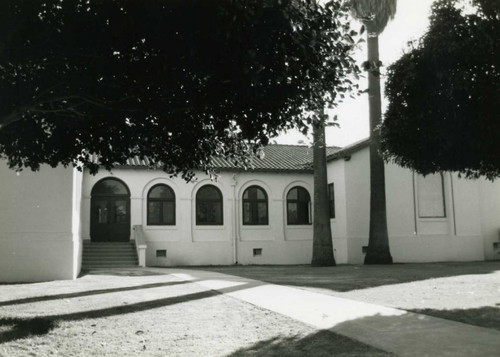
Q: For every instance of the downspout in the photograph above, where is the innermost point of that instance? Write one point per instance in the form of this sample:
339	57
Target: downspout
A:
234	181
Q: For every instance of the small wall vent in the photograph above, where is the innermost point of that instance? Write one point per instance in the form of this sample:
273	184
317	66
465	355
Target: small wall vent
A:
257	252
161	253
364	249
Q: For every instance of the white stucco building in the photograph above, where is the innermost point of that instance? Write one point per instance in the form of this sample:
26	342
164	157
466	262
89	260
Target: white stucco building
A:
258	216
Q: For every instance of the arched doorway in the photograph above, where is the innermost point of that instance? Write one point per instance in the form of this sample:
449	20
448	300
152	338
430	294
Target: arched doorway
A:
110	211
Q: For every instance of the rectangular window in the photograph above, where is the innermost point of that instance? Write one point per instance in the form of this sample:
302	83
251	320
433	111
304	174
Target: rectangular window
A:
430	196
331	200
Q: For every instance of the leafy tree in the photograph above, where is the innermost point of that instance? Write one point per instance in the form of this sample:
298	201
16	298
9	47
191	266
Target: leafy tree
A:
177	81
375	15
444	94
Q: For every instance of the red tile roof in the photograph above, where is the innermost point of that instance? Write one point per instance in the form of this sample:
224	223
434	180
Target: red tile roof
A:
297	158
348	150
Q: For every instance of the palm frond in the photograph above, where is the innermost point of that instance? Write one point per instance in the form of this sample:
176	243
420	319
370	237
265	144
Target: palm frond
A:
376	12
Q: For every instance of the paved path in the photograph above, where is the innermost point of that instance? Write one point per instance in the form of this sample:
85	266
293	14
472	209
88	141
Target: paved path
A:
392	330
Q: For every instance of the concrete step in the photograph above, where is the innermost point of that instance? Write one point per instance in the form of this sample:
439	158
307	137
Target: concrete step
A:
109	255
109	265
110	259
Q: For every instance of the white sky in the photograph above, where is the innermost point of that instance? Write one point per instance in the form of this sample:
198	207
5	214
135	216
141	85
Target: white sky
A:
410	22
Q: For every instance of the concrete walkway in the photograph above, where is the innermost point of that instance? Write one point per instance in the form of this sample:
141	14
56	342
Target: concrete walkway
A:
392	330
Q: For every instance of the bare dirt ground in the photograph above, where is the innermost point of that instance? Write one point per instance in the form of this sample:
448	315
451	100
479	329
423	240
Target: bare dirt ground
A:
464	292
152	314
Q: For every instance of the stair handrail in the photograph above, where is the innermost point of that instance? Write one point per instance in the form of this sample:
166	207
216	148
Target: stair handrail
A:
140	244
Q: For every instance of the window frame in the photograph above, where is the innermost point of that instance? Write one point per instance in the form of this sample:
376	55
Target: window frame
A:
161	200
297	201
221	200
443	196
254	206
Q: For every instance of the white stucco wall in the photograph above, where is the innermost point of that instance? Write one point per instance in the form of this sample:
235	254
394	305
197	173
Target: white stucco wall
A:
39	224
457	237
189	244
489	193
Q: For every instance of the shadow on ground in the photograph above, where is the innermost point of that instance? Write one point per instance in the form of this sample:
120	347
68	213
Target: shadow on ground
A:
13	328
92	292
321	344
488	316
406	334
345	278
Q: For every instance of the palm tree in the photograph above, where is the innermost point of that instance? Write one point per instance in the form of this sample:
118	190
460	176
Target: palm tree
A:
375	14
322	232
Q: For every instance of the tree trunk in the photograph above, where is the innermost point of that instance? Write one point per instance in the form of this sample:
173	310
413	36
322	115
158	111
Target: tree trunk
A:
322	233
378	245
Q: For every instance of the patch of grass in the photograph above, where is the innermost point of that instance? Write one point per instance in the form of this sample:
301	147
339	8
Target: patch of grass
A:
152	315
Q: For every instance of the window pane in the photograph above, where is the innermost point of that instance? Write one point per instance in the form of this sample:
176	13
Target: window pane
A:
303	194
262	212
252	193
201	213
292	194
260	194
120	211
102	211
247	213
303	213
216	213
208	193
430	196
209	213
109	187
161	191
168	213
154	212
292	213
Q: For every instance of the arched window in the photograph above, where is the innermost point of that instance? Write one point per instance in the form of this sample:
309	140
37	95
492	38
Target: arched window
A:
255	206
209	206
298	206
161	206
110	187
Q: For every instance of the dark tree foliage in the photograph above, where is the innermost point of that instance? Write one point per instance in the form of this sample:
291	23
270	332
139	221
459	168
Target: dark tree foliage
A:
444	95
177	81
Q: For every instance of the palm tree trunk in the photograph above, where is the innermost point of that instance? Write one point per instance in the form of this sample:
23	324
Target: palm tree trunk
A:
322	232
378	245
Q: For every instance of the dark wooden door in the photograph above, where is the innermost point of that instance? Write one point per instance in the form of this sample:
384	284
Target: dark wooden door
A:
109	214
